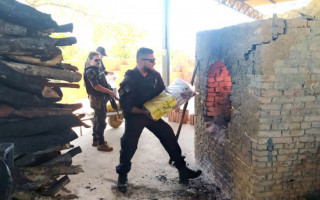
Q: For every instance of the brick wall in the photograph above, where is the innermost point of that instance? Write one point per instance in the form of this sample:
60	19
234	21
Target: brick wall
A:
270	149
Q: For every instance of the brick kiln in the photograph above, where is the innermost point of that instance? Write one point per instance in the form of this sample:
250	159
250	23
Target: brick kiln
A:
269	72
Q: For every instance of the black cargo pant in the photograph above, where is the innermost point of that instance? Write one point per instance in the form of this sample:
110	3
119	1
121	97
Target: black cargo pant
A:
99	124
134	125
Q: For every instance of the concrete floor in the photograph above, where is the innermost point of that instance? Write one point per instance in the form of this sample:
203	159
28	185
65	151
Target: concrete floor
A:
151	176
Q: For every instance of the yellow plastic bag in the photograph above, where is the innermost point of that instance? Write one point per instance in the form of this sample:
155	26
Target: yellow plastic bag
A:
160	105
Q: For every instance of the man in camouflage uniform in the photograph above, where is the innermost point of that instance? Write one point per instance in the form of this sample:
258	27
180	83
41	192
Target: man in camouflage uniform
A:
96	93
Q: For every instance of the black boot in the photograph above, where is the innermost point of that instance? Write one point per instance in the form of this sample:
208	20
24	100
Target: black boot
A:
122	182
185	174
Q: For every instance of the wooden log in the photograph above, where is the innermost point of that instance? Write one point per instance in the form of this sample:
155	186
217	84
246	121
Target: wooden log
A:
60	29
41	112
55	186
45	72
33	178
29	194
18	13
64	28
9	29
10	119
43	48
19	99
55	148
64	159
69	67
32	159
71	107
34	173
40	157
6	110
40	142
26	83
65	41
37	61
50	93
68	85
38	125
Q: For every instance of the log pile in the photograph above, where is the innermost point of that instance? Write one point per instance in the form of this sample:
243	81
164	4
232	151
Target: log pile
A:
32	73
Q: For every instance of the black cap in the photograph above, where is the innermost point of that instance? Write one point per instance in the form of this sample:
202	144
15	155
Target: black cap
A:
102	51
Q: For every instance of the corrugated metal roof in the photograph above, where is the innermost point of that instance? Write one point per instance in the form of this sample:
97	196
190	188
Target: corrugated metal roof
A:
247	6
254	3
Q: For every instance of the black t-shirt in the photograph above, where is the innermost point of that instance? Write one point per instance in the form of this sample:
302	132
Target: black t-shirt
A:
135	89
91	79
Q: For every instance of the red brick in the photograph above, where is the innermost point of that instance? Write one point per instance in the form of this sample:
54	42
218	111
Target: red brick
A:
219	89
209	103
211	94
210	114
185	118
210	89
227	88
219	78
211	80
214	113
225	83
211	108
210	98
224	93
171	116
211	75
228	78
224	73
215	84
221	101
191	119
211	85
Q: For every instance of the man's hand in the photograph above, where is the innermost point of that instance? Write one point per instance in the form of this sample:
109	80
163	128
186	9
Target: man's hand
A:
111	73
112	94
105	90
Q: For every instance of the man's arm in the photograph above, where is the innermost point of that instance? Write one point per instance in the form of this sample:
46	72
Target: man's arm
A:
136	110
104	90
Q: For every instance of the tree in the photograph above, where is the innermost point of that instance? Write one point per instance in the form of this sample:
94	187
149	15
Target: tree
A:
123	38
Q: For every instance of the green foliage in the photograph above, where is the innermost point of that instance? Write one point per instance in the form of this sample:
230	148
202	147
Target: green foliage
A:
122	38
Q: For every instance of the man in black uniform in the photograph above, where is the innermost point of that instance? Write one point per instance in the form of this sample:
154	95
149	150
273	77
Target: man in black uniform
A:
96	93
139	86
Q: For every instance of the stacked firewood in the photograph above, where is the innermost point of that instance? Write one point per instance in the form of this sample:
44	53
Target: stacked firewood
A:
32	73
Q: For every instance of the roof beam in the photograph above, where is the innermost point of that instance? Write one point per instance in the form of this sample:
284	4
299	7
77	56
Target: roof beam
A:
242	7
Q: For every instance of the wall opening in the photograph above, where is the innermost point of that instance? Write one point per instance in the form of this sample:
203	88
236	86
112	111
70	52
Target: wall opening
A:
218	104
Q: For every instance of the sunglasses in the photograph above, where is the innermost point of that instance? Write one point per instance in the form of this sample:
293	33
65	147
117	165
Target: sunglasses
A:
150	60
97	60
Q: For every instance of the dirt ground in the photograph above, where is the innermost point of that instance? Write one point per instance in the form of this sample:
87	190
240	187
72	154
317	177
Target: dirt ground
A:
151	176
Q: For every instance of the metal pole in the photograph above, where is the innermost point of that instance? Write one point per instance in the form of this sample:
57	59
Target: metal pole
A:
165	43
